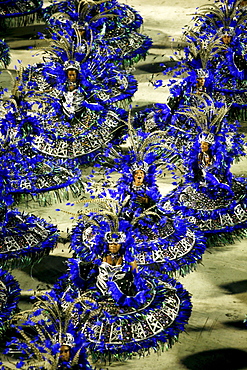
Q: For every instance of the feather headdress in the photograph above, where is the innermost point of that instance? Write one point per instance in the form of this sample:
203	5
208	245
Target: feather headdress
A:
108	208
208	116
52	326
198	53
224	14
203	49
105	214
64	48
142	151
85	6
63	44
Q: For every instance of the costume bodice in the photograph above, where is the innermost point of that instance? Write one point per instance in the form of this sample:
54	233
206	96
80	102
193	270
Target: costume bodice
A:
205	160
72	101
107	273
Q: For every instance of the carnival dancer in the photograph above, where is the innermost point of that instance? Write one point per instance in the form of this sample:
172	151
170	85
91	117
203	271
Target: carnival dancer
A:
136	309
230	75
191	72
210	196
77	94
227	21
189	77
54	341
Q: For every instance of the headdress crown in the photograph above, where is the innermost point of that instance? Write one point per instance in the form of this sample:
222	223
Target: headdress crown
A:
226	31
66	340
115	237
207	137
137	166
72	64
202	73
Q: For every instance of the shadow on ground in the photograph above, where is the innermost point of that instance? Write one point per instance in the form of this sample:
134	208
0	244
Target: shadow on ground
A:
226	358
238	325
236	287
155	67
48	270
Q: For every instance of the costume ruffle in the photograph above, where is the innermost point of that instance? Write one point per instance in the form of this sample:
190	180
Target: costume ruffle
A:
163	239
218	215
120	328
112	26
19	13
126	15
28	171
39	174
104	128
24	238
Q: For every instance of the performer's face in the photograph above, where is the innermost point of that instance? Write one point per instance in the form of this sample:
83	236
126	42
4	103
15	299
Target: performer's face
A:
114	247
204	146
200	82
64	353
72	75
226	39
139	177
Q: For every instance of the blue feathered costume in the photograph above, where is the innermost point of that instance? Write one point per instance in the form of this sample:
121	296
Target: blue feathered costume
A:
210	196
135	309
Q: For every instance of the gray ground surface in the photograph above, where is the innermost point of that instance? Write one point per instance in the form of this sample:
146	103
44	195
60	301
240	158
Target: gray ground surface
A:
215	337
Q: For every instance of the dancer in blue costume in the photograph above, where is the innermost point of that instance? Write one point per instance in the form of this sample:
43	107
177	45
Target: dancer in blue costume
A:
137	309
192	70
109	25
211	197
213	63
230	76
47	338
77	95
227	21
189	77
